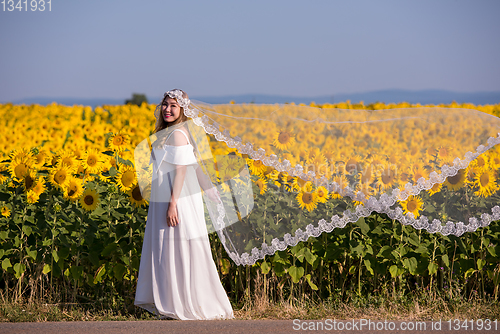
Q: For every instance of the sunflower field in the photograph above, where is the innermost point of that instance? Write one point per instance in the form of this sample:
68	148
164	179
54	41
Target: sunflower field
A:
73	218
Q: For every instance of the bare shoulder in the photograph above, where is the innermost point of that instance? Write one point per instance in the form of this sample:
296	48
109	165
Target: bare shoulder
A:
178	138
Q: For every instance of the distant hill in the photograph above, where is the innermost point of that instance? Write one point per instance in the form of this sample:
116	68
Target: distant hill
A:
429	96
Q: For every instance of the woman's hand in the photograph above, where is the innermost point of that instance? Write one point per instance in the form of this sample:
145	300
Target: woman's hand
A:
213	194
172	217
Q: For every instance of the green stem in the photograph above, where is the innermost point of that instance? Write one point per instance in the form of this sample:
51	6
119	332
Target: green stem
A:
433	258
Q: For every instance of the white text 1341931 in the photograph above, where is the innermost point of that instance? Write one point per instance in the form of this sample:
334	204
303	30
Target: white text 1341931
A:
26	5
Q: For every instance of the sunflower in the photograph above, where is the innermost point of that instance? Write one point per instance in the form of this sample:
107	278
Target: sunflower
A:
230	164
394	159
387	177
457	181
67	158
119	141
343	183
89	200
307	200
60	175
316	163
109	162
301	136
431	151
353	165
272	175
367	191
404	177
416	172
135	196
31	197
227	174
74	189
78	151
3	168
444	153
127	155
329	154
471	173
322	194
55	159
413	150
256	166
495	160
18	167
485	181
125	179
317	128
286	180
300	155
435	188
40	158
318	139
220	152
413	204
262	185
309	153
92	161
301	185
310	138
5	211
283	140
480	162
367	174
39	186
22	154
81	173
29	180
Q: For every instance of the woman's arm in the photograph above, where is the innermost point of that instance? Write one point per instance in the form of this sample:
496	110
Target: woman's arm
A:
203	179
206	185
176	139
172	217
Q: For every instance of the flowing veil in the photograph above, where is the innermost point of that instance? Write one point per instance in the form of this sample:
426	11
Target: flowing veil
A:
287	172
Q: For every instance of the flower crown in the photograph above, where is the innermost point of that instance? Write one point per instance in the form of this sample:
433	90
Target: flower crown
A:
177	94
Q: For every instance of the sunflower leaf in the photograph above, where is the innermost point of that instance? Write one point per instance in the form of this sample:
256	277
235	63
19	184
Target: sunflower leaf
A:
432	267
311	284
296	273
6	264
265	267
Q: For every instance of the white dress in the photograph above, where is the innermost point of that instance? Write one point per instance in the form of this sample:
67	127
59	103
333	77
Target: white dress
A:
177	275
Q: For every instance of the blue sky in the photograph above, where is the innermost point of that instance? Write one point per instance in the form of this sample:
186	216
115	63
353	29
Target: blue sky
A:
112	48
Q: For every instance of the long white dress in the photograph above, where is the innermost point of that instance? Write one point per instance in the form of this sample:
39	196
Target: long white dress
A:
177	275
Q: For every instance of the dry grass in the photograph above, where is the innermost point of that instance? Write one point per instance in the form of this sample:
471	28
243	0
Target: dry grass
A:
386	306
390	311
39	312
263	309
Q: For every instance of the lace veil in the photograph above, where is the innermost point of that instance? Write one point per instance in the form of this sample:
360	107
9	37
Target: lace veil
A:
287	172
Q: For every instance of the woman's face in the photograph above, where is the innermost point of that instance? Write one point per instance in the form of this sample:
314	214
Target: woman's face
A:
170	110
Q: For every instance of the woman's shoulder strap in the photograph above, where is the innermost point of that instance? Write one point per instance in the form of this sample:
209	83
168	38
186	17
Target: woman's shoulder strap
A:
184	133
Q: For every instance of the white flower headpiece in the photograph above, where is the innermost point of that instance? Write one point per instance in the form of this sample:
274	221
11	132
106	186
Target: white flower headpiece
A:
177	94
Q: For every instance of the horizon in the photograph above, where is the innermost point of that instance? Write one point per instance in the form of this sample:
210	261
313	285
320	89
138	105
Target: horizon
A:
425	96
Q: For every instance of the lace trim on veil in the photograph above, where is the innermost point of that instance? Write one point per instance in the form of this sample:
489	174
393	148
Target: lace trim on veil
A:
371	204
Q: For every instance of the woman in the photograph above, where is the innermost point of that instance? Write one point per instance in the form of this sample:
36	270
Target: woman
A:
177	276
